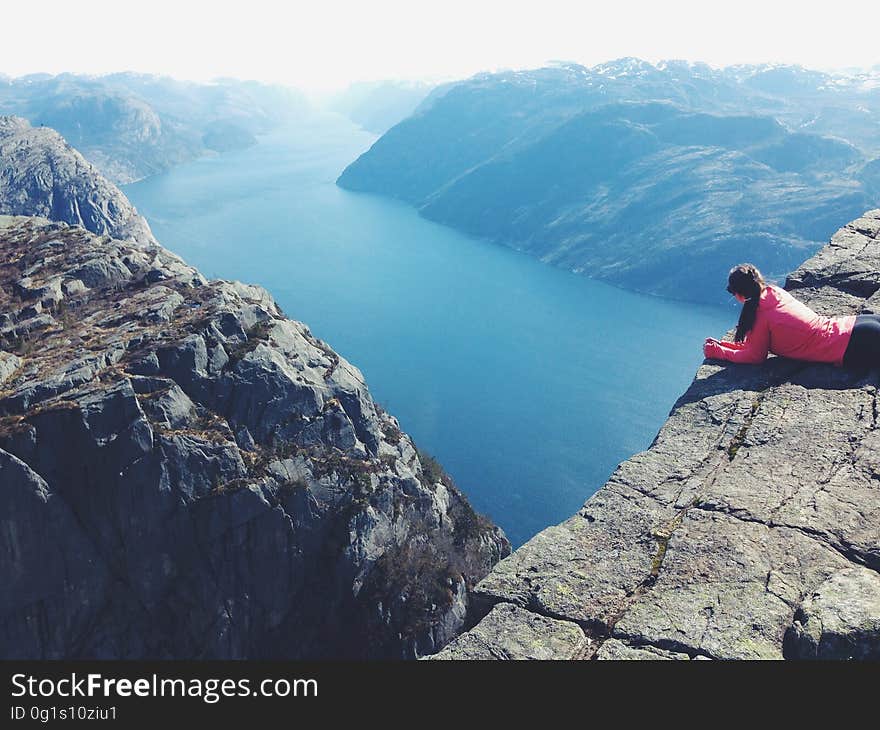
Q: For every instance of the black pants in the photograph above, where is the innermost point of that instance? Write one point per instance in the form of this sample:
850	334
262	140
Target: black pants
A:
863	350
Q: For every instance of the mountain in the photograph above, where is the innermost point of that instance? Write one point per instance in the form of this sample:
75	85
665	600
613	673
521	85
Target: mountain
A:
134	125
379	105
749	529
40	174
187	473
656	178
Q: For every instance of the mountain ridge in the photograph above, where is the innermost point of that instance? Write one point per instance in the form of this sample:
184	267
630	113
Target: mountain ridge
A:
133	125
617	171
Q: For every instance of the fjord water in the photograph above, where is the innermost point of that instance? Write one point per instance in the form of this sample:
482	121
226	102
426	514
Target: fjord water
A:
529	383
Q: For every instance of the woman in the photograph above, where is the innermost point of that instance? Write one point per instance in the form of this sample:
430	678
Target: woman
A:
772	320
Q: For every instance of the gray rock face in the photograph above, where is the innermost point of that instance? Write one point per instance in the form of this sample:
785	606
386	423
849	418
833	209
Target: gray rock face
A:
184	472
40	174
509	632
749	529
841	619
616	650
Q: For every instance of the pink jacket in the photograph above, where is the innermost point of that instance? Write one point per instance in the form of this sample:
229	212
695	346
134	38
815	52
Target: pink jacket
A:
787	327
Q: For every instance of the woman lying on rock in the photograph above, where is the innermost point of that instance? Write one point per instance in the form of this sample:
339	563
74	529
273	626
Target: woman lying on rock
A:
772	320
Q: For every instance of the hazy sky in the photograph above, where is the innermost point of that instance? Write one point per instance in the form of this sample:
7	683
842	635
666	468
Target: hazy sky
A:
323	44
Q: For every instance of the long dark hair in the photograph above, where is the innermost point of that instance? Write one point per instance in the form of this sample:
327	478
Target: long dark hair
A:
745	279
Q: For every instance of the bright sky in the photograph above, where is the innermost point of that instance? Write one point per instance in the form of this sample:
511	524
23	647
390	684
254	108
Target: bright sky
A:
322	44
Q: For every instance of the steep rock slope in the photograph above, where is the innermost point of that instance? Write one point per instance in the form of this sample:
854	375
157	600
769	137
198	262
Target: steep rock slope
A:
41	174
184	472
750	528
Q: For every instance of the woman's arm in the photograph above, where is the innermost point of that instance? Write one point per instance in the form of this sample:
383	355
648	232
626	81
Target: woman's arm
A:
725	343
753	349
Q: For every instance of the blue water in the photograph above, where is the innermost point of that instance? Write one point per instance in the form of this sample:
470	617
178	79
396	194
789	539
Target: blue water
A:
528	383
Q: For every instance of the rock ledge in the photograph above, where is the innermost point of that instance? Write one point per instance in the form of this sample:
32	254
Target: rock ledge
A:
749	529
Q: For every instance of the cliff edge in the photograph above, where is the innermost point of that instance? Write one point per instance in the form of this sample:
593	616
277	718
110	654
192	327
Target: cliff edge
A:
749	529
184	471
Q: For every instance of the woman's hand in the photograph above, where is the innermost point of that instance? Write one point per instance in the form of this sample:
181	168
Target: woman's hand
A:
709	347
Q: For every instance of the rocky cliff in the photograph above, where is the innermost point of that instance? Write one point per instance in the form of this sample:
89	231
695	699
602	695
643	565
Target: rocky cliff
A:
185	472
750	528
42	175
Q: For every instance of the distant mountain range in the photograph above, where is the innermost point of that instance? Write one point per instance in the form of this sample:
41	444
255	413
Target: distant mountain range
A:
134	125
379	105
654	177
